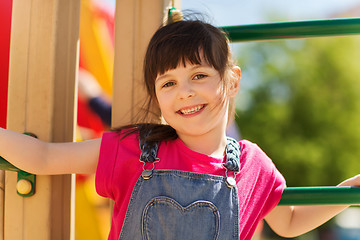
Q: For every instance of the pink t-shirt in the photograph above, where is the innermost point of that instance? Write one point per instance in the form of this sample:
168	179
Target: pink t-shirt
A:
259	184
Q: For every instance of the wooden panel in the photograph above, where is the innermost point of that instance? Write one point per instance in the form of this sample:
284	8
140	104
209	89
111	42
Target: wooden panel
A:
43	68
135	23
2	196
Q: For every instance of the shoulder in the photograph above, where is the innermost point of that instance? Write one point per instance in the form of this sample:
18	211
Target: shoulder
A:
115	144
252	154
117	150
254	160
261	175
110	139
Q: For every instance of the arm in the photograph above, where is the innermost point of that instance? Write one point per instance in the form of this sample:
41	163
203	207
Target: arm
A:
38	157
292	221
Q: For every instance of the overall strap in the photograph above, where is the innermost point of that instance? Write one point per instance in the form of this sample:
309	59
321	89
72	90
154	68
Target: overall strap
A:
148	149
233	151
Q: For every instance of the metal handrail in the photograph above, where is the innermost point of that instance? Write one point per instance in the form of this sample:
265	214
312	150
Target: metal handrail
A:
5	165
320	196
296	29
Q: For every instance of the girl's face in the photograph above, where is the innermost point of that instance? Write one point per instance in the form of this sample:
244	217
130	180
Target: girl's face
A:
191	99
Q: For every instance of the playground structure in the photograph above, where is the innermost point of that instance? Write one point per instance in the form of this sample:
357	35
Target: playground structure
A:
42	96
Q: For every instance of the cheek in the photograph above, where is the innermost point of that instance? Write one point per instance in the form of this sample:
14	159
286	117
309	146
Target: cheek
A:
221	99
162	102
217	93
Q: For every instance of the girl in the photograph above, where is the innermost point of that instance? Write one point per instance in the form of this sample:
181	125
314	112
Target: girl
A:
184	179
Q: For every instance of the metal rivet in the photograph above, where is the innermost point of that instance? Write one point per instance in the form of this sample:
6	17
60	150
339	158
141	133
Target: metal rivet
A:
230	182
146	174
24	186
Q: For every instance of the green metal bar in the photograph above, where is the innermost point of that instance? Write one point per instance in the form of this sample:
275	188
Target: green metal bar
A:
22	175
5	165
290	30
320	196
31	179
26	182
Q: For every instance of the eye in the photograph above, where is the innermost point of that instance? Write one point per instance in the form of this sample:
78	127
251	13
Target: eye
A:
168	84
199	76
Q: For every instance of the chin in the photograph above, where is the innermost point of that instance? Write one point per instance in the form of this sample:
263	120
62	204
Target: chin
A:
195	132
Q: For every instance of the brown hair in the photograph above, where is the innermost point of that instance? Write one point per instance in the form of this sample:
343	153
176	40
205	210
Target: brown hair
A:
188	41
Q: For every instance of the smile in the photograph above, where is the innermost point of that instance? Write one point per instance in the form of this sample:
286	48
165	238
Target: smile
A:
191	110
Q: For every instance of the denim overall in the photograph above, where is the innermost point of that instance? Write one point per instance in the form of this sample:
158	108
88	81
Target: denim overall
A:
171	204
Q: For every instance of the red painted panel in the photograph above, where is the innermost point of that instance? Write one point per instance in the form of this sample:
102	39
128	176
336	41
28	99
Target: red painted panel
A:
5	20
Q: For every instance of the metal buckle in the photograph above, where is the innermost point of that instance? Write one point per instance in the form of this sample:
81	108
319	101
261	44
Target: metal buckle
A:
147	173
230	181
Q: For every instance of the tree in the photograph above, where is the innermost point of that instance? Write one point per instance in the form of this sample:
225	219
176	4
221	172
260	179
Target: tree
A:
300	103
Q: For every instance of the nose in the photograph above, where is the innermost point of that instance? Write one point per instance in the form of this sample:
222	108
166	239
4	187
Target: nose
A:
185	90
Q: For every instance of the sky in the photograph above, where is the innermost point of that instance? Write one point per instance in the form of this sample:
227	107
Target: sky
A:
237	12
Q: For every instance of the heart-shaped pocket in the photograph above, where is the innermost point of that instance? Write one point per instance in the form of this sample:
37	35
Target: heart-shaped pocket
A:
165	218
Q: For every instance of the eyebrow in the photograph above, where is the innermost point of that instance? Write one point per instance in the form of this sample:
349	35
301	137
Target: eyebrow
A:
193	68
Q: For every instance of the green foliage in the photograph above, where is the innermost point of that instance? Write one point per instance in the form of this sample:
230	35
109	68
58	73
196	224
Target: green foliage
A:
300	103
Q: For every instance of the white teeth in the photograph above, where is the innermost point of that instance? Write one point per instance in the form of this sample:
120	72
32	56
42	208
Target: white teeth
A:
191	110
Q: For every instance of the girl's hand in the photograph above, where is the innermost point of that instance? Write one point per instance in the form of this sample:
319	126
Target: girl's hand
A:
351	182
292	221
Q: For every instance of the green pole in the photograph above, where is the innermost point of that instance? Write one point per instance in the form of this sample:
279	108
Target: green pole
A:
22	175
5	165
320	196
290	30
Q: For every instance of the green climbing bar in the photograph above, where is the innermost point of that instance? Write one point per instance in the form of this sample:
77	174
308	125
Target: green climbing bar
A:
320	196
22	176
5	165
290	30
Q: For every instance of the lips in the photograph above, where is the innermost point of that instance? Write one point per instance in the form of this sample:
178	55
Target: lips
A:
191	110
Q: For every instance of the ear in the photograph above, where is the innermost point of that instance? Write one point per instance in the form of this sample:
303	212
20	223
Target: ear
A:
234	81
